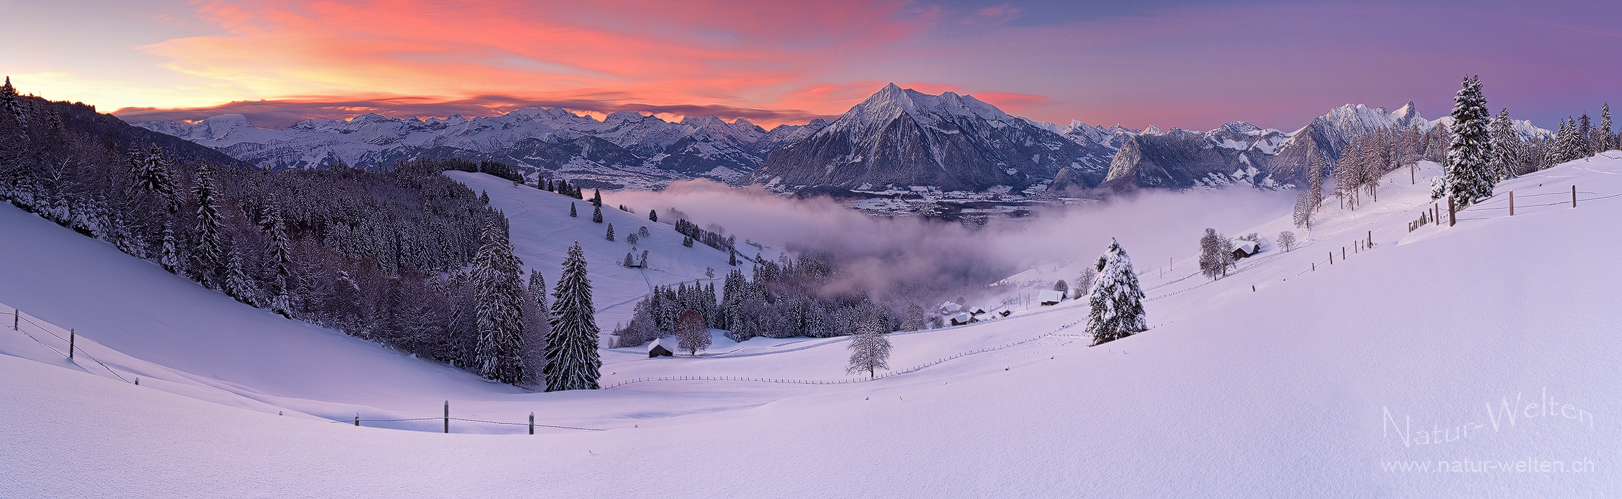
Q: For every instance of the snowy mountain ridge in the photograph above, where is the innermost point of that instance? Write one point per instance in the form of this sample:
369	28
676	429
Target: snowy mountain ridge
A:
949	141
644	150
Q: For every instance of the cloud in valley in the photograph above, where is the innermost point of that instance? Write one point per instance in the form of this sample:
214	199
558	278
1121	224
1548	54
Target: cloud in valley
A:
928	259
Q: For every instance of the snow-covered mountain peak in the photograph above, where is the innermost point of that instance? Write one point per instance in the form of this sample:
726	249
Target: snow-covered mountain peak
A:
1240	127
892	101
1406	114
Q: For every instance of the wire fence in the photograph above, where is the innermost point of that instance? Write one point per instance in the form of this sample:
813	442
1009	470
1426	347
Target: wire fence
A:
74	350
532	425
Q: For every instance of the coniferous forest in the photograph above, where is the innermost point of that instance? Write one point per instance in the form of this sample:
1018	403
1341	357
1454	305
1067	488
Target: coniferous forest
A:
382	255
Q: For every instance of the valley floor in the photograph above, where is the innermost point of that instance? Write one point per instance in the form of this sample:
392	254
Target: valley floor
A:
1488	348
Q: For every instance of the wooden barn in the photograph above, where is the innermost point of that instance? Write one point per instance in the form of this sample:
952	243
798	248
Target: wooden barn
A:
658	349
1050	297
1244	248
962	318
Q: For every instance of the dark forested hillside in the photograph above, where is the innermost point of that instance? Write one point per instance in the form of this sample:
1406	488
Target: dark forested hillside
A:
383	255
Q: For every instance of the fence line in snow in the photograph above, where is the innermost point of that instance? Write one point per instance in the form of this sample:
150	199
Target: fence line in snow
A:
17	320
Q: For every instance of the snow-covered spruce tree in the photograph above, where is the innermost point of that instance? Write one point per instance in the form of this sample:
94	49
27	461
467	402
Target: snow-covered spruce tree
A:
8	99
597	214
208	255
610	232
1555	152
633	239
1607	140
1468	175
1585	128
692	332
237	283
913	319
572	361
869	348
572	213
171	258
279	260
653	215
537	326
1506	147
1213	260
629	261
500	347
1117	302
597	198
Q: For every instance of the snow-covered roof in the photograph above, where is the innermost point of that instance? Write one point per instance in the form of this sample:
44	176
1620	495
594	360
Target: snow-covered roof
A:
950	306
658	343
1249	246
962	317
1050	295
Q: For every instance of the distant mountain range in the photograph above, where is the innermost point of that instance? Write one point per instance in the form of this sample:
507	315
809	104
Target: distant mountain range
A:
896	138
625	149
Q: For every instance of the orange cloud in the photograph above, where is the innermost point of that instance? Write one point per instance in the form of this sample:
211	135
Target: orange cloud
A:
697	53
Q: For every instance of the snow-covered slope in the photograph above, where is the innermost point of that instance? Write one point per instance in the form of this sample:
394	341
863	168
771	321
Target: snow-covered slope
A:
1278	380
542	232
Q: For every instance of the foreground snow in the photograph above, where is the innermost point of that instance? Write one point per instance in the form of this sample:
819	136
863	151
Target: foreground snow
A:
1315	383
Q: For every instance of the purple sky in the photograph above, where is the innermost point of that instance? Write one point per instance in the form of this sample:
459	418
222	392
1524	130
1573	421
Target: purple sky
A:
1169	63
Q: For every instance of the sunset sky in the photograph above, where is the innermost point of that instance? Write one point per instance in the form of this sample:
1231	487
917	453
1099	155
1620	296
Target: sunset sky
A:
1186	64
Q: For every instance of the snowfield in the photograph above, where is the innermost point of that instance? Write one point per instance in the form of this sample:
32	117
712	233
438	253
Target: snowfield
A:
1488	345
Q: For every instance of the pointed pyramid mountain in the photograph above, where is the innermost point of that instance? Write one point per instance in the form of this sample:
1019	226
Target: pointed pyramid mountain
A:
902	137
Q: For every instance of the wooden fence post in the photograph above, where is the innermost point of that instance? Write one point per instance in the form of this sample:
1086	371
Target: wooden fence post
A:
1451	218
1512	203
15	313
1573	195
71	336
1331	257
1370	242
447	416
531	423
357	419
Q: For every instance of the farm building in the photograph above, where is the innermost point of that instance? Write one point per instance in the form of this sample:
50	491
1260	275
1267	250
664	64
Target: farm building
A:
658	349
1050	297
1244	248
962	318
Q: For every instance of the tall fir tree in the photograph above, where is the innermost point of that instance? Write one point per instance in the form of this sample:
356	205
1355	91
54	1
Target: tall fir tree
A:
280	259
597	214
499	352
572	213
537	327
1506	147
653	215
237	283
572	361
610	234
1116	300
1585	129
170	257
208	254
8	99
1607	139
1468	176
